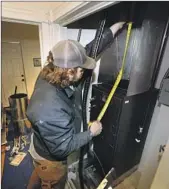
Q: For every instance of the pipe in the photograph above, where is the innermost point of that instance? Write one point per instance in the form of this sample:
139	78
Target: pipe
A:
85	95
87	81
79	34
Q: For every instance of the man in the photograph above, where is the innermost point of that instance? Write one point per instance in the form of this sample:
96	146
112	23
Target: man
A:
52	110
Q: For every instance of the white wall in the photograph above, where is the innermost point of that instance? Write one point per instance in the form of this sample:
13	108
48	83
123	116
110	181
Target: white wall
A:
50	34
72	34
161	180
157	135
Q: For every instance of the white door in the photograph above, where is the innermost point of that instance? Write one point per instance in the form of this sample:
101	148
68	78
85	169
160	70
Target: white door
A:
12	70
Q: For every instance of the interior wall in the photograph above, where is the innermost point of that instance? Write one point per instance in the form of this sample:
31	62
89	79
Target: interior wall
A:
161	177
28	36
157	135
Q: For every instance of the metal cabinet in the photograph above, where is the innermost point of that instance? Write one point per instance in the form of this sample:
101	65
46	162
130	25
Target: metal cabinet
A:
125	126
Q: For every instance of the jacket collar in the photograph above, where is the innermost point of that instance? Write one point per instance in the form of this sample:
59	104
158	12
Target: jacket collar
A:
69	91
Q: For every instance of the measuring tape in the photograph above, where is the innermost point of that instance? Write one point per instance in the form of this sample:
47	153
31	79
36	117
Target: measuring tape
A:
119	77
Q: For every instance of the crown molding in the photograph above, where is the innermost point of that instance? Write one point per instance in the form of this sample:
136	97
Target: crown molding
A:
14	12
65	13
82	11
64	9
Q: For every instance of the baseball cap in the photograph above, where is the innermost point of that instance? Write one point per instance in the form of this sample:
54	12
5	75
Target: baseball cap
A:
71	54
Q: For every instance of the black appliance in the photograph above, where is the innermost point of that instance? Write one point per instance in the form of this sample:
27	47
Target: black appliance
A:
125	127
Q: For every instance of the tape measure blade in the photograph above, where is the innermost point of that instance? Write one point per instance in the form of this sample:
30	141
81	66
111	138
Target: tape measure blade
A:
119	77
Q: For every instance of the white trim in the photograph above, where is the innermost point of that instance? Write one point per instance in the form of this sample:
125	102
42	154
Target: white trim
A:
60	12
49	35
63	14
19	21
44	41
15	42
82	11
24	13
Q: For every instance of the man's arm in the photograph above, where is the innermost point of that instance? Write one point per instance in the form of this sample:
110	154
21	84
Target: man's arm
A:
59	135
106	40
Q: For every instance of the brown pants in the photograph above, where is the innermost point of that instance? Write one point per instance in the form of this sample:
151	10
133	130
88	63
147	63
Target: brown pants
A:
48	175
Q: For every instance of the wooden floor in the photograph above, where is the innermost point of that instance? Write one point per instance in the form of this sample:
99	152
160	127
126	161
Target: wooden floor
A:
130	182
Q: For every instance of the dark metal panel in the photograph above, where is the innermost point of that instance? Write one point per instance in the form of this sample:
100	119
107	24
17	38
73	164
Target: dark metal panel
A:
111	61
125	127
149	20
145	44
104	144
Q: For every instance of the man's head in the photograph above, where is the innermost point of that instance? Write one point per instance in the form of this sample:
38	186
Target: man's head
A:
67	61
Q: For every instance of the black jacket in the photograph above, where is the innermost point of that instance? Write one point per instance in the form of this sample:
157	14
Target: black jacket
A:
52	113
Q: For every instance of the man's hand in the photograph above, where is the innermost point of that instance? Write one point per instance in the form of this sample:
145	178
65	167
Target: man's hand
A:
116	27
96	128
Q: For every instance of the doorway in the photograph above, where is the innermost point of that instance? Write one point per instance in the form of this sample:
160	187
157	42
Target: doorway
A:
20	49
13	74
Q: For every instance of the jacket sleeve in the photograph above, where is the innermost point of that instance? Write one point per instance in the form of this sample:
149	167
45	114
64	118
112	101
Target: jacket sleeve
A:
59	135
105	42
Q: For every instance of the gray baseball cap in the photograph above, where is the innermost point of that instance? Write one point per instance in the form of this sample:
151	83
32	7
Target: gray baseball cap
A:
71	54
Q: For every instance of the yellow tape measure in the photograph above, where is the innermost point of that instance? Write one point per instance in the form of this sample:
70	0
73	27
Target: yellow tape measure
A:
119	77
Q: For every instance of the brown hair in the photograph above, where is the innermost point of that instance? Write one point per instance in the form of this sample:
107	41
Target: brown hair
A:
54	74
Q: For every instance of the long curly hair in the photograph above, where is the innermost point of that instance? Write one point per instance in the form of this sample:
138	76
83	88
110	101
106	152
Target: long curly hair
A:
54	74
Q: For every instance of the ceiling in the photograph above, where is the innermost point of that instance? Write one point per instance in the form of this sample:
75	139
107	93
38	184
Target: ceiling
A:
61	12
37	11
33	6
